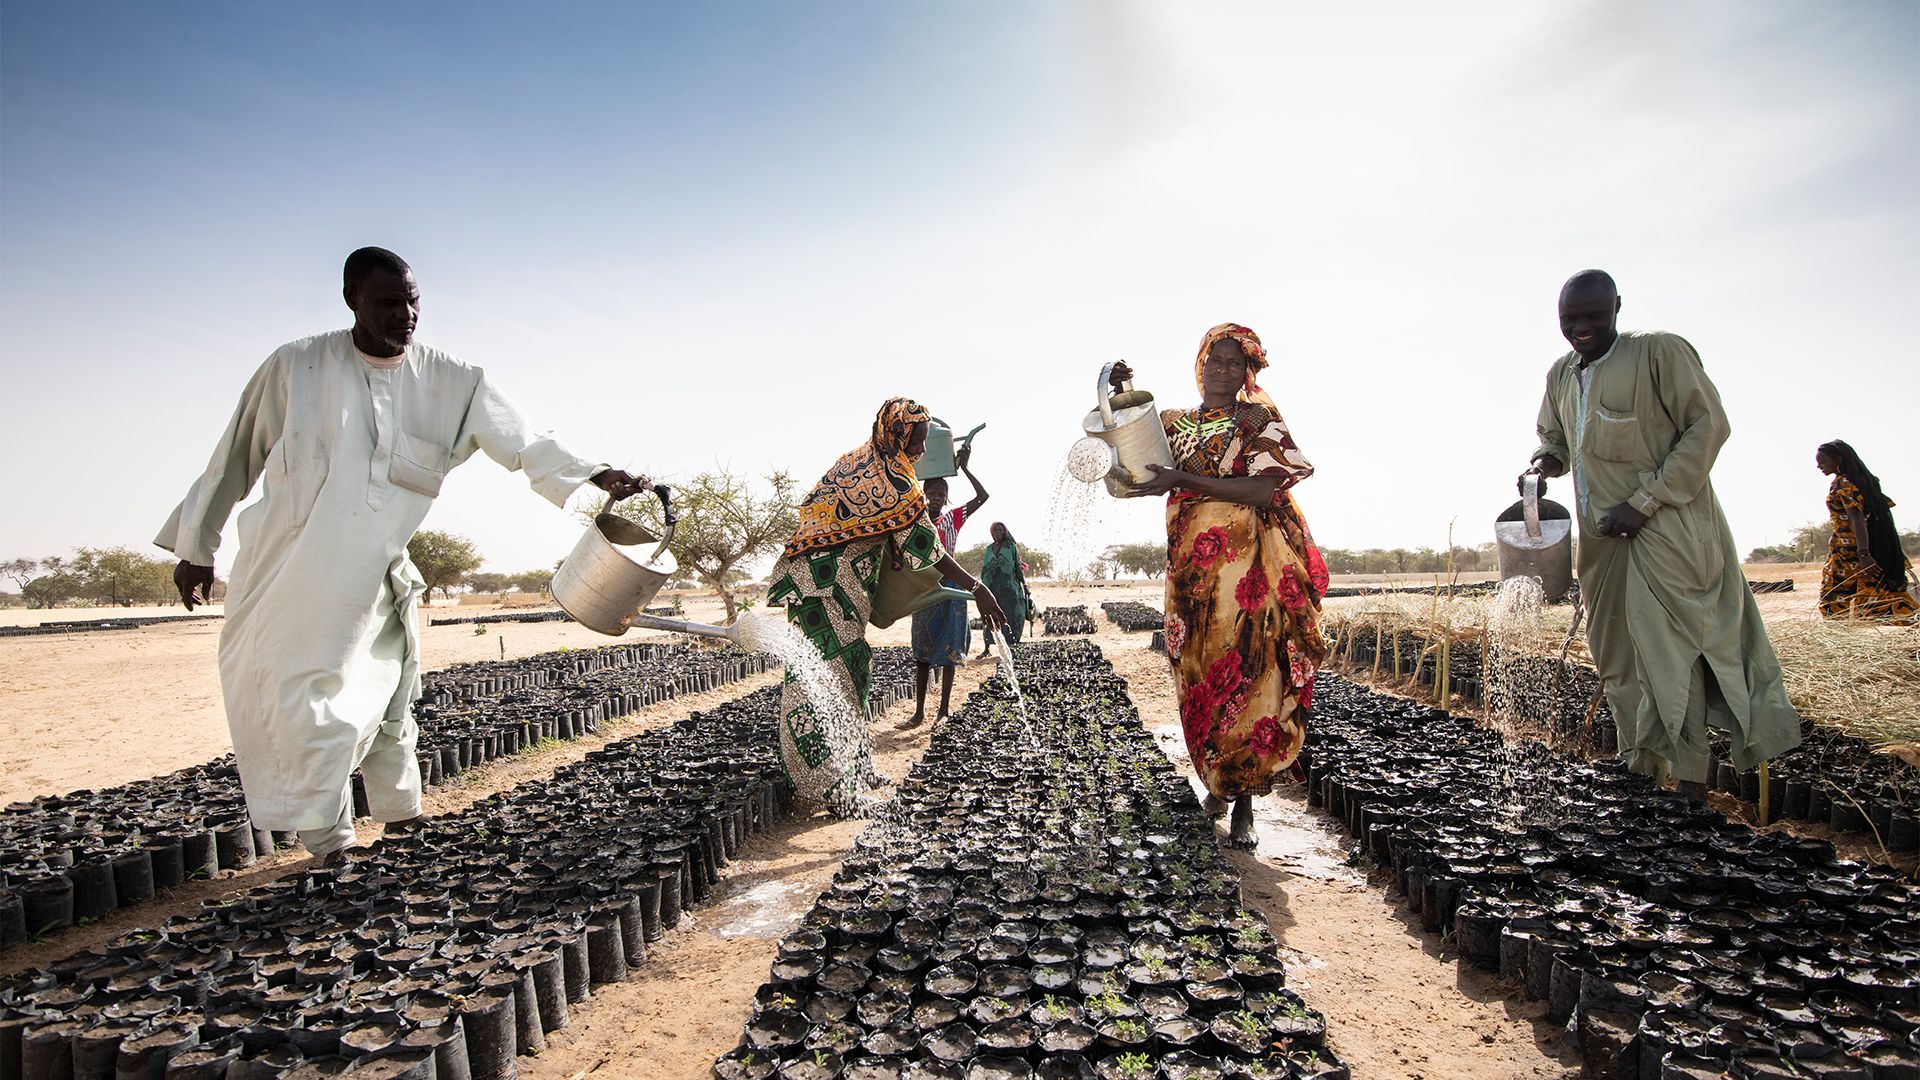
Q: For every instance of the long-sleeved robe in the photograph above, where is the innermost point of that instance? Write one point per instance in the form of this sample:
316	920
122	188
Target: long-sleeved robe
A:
1670	619
319	655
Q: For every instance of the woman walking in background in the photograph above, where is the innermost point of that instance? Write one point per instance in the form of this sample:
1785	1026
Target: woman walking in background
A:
1244	579
868	508
940	636
1866	572
1007	580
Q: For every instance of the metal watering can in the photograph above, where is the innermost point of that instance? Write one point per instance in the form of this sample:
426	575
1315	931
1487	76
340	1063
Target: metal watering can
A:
938	460
603	587
1124	431
1534	538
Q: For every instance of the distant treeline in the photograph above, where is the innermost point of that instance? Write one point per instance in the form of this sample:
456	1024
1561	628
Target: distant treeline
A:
1810	541
93	577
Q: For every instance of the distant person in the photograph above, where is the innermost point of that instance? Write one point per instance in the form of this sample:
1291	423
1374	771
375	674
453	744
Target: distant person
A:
1244	579
867	508
350	434
1006	578
1866	572
1671	621
940	636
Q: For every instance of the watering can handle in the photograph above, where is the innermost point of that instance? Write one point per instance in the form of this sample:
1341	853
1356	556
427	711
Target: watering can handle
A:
668	515
1104	392
1530	497
968	440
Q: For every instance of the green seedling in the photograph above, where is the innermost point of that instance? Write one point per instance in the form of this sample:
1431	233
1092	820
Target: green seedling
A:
1130	1029
1196	943
1249	1023
1133	1065
1108	1003
820	1058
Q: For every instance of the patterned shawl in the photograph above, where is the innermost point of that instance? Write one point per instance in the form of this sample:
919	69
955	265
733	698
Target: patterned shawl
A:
870	491
1256	359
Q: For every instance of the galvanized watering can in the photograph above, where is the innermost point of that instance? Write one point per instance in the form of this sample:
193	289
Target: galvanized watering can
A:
603	587
1534	538
1126	426
939	459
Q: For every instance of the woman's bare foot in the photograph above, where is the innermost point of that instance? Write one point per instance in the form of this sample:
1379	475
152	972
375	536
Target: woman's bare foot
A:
1213	806
1240	836
919	717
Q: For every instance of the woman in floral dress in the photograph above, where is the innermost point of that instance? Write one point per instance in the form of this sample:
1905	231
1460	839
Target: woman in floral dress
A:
1244	579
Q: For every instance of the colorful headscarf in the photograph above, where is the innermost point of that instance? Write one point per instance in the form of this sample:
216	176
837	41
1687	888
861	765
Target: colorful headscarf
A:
1256	359
871	490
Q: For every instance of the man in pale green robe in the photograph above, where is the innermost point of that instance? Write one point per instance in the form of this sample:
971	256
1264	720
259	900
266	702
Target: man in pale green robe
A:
1671	622
350	435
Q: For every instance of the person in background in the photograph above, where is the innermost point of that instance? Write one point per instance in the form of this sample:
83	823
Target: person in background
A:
940	635
1866	572
1244	579
350	435
866	509
1671	622
1006	578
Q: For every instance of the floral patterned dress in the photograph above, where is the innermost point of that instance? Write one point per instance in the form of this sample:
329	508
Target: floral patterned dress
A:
1847	589
1243	594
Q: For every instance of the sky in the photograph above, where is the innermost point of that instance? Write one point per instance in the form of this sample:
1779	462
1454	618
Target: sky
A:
719	235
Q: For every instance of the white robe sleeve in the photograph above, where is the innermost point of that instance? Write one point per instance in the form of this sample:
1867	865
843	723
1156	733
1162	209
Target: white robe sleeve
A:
494	425
193	530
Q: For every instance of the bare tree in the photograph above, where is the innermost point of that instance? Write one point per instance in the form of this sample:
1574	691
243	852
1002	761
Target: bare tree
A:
726	522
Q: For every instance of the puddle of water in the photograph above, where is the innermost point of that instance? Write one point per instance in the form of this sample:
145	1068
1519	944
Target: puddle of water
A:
768	910
1292	836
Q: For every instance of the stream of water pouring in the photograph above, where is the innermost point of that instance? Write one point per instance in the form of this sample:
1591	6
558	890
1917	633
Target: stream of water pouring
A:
1515	684
844	724
1005	652
1072	520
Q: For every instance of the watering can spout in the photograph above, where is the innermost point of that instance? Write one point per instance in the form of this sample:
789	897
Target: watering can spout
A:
735	632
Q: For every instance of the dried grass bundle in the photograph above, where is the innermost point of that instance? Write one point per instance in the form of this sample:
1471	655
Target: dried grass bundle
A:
1861	678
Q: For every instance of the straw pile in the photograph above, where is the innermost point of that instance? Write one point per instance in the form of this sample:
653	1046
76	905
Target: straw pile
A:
1861	678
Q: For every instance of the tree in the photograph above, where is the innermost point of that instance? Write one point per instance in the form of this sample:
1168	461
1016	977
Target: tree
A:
725	524
117	576
532	581
443	559
20	570
50	590
488	583
972	559
1148	557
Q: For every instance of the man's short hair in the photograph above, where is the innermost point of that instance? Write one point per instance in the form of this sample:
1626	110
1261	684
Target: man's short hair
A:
367	261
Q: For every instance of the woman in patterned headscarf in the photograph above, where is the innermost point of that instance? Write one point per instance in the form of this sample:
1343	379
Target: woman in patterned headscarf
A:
1244	579
868	507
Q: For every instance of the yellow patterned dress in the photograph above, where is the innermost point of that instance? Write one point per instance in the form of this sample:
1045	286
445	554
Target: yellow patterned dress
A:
1243	596
1848	589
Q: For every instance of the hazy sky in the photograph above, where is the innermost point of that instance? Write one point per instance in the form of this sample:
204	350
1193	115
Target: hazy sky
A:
712	233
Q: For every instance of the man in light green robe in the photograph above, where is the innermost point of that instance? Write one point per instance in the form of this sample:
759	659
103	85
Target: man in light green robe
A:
1672	625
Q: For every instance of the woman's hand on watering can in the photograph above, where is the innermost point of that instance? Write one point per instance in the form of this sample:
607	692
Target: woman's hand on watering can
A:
620	484
962	456
1163	481
1122	374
